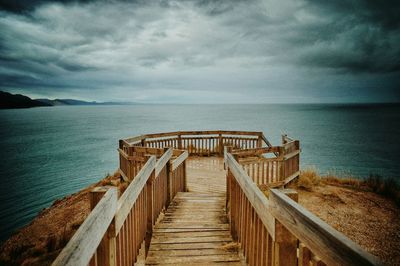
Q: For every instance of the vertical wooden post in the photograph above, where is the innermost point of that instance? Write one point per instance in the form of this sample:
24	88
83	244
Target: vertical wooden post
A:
169	181
106	251
184	176
179	142
284	140
150	218
221	144
282	162
232	204
259	142
297	143
226	150
285	247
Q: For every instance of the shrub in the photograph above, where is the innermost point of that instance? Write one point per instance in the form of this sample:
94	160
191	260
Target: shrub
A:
387	187
308	178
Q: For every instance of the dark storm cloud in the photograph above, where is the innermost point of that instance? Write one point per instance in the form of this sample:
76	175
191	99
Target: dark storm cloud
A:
19	6
271	48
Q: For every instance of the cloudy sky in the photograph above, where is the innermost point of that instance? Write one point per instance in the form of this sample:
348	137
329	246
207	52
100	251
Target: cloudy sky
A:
202	51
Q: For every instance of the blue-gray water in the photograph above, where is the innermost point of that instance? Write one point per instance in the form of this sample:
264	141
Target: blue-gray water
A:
47	153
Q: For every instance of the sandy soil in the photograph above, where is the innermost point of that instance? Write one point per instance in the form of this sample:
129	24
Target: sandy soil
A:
368	219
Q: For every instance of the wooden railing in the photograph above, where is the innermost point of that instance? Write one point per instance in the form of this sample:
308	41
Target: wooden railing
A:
271	229
278	169
203	143
116	229
275	230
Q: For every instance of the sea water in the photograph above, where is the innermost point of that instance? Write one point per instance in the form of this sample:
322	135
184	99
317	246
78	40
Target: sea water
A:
49	152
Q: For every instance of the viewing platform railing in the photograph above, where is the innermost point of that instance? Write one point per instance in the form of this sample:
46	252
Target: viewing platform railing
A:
271	229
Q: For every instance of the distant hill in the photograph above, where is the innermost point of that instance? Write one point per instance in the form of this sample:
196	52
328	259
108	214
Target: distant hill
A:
11	101
57	102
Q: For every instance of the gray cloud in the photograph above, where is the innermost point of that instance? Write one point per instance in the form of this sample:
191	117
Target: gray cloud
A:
269	48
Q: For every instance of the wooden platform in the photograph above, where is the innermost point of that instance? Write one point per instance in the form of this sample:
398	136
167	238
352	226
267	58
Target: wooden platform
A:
206	175
194	228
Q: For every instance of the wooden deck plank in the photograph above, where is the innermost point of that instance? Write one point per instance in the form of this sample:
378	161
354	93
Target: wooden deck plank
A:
194	228
195	259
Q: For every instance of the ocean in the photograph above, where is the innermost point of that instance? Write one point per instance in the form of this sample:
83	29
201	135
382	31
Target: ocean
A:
49	152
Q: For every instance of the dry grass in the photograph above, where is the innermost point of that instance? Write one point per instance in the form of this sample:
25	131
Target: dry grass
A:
232	247
387	187
308	179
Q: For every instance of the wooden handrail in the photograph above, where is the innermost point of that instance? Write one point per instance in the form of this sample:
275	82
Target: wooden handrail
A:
331	246
163	161
132	192
84	242
211	132
175	163
257	199
255	151
286	224
130	140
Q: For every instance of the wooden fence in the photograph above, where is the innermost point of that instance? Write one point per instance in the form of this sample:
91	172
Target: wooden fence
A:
275	230
116	229
282	166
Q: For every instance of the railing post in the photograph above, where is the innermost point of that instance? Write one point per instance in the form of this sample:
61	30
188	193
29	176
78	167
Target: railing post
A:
226	150
179	142
169	182
259	142
285	248
106	251
184	176
169	176
221	144
231	204
284	140
282	174
150	218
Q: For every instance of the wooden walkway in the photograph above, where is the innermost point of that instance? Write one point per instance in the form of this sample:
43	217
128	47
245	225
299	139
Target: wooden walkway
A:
194	228
192	211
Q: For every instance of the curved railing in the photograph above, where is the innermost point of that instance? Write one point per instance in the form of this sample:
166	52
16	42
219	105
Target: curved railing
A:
204	143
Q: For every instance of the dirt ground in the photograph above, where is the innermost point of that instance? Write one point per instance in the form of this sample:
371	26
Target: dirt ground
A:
370	220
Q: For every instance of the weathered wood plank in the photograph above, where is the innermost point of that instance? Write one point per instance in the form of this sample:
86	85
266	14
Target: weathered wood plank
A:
199	239
178	161
185	246
291	177
190	252
193	259
84	242
163	161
